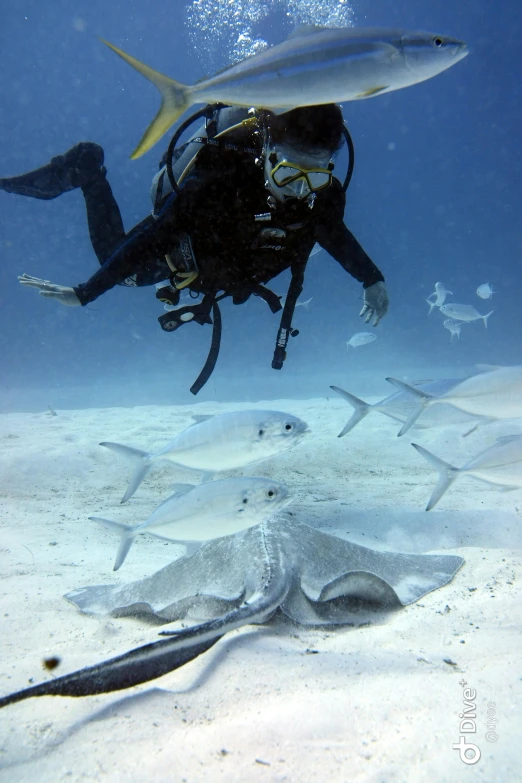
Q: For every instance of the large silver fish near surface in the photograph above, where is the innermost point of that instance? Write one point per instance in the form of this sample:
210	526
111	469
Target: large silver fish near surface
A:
315	65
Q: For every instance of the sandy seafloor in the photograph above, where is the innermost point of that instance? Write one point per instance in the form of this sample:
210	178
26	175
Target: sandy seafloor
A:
376	703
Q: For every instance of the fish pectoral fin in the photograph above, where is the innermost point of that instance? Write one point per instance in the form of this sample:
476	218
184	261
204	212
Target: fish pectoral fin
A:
279	109
181	489
175	101
371	91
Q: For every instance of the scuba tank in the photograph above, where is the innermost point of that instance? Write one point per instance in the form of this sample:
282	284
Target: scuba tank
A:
225	126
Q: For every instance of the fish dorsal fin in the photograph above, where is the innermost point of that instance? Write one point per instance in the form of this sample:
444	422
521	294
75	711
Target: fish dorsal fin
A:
181	489
307	29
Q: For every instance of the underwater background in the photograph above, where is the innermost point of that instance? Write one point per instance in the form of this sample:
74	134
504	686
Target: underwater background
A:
435	197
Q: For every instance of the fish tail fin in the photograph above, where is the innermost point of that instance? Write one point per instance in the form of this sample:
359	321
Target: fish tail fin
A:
485	318
141	460
127	533
447	475
431	304
422	397
361	409
175	101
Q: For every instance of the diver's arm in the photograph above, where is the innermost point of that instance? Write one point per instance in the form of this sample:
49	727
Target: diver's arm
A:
146	242
152	238
333	235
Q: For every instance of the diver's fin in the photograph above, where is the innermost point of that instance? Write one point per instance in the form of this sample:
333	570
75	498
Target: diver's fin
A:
361	409
141	460
79	167
127	533
175	101
447	475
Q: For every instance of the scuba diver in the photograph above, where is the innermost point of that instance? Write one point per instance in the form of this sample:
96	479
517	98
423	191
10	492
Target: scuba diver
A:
246	198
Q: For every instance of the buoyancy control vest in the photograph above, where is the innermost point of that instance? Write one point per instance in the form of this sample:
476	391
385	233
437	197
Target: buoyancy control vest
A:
225	127
234	129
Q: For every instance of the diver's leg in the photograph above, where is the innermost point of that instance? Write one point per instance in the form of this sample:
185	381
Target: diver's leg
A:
80	167
65	172
103	217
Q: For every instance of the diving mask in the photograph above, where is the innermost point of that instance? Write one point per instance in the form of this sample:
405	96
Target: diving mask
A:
293	174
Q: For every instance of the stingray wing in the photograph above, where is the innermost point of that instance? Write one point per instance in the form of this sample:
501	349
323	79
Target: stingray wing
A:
331	569
205	585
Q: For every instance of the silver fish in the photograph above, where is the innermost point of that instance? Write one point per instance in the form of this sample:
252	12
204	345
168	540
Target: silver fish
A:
453	327
485	291
398	406
499	465
304	303
204	512
440	295
495	395
360	338
315	65
218	443
463	312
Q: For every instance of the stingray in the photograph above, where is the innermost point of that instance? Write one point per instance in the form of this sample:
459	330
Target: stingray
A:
313	578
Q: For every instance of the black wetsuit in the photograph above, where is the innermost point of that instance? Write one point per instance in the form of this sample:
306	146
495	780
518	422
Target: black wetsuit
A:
234	251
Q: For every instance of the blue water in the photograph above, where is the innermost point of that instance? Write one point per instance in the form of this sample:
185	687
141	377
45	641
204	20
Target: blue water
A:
435	197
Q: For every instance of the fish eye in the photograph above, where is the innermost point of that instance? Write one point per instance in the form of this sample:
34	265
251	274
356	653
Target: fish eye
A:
288	427
437	42
261	433
245	501
271	493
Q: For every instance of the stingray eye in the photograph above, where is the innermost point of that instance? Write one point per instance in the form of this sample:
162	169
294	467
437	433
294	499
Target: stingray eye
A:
261	433
288	427
245	501
437	42
270	493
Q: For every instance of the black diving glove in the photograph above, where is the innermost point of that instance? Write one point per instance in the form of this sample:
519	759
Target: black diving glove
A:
376	303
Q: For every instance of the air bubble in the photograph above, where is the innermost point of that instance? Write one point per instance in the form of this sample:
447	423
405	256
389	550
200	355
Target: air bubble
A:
223	32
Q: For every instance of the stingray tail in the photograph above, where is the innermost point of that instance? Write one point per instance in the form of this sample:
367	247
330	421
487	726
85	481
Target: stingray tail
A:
127	533
174	102
141	460
447	475
361	409
154	660
422	397
132	668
